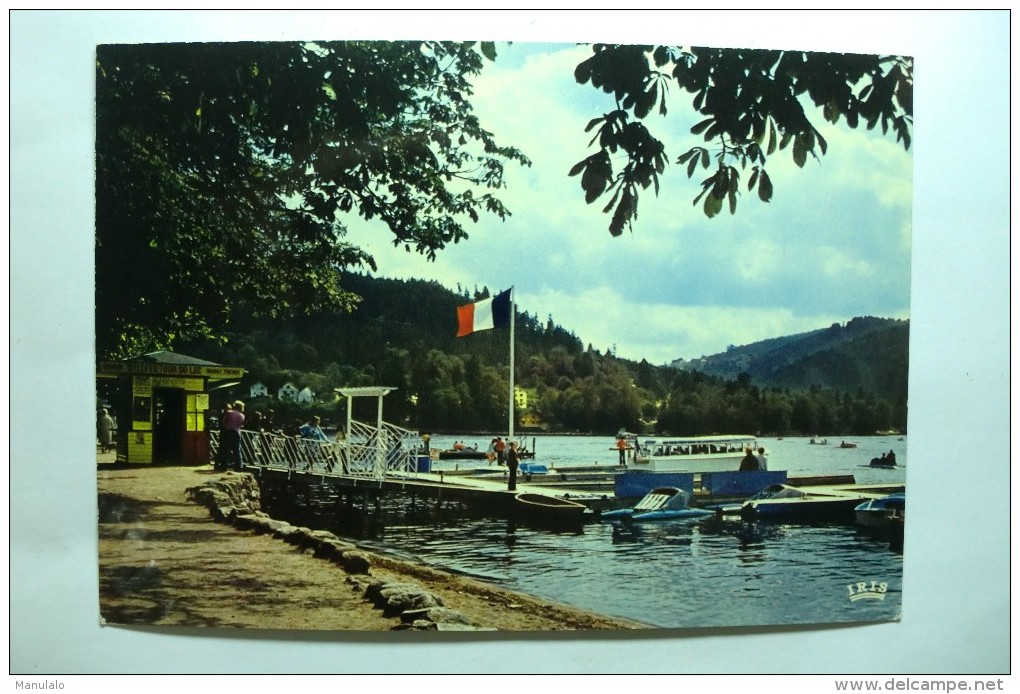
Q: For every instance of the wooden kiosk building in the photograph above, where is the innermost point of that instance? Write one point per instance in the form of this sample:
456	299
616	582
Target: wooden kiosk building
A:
161	401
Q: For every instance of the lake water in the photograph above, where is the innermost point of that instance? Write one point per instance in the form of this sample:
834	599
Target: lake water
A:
712	572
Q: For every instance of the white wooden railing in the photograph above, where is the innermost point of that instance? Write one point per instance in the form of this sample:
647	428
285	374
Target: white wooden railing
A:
365	451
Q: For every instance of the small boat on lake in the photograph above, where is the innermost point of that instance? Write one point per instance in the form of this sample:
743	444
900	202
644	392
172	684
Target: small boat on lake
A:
883	513
693	453
473	453
886	460
552	509
462	454
847	444
661	503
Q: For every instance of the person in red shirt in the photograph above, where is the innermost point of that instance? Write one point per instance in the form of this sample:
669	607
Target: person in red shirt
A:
233	421
621	445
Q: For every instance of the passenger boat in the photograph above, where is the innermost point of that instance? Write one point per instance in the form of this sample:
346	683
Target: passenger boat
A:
693	454
549	508
661	503
885	512
783	502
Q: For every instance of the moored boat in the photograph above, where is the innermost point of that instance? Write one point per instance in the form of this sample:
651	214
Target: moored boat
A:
542	507
885	512
661	503
693	454
784	502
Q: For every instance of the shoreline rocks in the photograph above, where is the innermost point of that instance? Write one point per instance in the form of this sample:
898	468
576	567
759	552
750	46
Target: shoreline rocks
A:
235	499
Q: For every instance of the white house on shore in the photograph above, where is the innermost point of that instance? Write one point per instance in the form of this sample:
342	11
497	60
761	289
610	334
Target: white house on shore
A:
288	391
258	390
306	395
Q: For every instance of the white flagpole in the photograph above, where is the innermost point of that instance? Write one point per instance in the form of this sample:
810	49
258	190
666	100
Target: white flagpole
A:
513	312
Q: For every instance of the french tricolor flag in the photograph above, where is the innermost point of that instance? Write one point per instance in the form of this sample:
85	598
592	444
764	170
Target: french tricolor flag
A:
493	312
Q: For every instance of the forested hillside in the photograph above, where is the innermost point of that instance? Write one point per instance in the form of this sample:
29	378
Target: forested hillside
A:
402	335
865	352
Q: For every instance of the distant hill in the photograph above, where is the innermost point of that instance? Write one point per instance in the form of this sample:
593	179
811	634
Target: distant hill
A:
868	352
840	380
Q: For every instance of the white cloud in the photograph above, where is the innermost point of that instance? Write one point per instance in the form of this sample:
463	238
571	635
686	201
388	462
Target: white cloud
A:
834	242
662	332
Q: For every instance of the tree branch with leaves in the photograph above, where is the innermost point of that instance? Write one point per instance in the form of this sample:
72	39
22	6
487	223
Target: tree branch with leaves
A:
227	173
754	104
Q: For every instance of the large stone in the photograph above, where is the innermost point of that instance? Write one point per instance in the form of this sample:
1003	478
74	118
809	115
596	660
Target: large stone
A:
227	494
397	598
445	615
355	562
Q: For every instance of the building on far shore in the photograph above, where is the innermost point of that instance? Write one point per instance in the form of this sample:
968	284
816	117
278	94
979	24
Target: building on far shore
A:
288	391
161	403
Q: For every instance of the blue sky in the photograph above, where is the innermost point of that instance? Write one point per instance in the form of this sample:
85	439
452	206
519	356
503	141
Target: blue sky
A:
833	244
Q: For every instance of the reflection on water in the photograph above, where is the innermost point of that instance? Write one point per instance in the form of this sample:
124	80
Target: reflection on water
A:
705	572
681	573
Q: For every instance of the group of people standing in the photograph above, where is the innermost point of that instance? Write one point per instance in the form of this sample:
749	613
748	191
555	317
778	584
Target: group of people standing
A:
505	454
752	462
232	421
496	451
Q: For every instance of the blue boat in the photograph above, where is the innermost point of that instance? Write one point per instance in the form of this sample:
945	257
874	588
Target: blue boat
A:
885	512
661	503
783	502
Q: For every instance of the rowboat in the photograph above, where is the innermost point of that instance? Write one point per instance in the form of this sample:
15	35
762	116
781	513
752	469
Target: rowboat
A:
661	503
541	507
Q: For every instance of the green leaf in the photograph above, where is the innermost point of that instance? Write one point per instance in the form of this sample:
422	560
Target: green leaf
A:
702	126
799	151
764	187
822	144
489	50
712	206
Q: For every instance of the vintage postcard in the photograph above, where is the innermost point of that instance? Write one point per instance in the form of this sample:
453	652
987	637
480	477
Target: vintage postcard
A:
383	342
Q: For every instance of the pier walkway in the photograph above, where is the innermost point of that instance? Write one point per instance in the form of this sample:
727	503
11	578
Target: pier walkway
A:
383	458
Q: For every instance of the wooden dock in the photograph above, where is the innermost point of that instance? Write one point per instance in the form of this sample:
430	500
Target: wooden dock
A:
490	491
592	486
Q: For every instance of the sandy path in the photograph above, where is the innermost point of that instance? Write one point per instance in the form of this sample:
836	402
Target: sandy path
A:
164	561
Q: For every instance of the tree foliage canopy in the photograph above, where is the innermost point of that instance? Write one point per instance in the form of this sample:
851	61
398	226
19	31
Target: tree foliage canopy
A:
224	174
752	103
